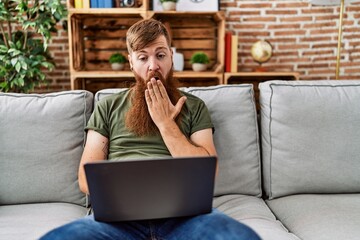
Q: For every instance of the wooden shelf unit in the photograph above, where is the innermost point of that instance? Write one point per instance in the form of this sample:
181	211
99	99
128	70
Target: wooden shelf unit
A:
94	34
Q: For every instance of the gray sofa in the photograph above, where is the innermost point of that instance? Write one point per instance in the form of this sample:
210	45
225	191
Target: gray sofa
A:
290	172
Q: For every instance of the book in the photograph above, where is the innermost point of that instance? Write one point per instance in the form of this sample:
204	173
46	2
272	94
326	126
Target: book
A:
117	3
86	4
94	4
227	60
78	4
107	3
234	53
100	3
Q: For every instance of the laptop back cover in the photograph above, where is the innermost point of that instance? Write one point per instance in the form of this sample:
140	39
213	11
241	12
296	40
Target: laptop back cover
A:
151	189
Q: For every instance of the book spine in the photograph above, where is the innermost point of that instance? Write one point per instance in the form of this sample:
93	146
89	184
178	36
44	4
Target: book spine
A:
78	4
117	3
234	53
86	3
228	51
94	4
100	3
108	3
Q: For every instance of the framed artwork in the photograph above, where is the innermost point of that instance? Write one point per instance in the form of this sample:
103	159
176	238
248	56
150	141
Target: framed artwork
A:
191	5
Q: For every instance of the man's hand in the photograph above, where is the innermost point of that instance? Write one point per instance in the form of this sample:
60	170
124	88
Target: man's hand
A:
163	113
161	110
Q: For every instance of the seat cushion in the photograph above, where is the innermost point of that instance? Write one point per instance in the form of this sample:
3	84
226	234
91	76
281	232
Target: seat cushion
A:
234	116
310	137
41	139
30	221
233	112
320	217
253	212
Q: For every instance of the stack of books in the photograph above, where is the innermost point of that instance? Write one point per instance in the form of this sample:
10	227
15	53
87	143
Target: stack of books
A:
95	3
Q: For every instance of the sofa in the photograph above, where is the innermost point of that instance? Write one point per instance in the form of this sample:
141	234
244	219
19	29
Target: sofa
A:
289	170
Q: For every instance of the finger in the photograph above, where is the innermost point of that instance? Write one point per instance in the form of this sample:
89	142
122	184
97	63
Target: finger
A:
179	105
151	91
156	89
147	97
163	90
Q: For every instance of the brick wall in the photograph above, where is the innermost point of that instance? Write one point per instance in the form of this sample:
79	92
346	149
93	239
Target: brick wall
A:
304	39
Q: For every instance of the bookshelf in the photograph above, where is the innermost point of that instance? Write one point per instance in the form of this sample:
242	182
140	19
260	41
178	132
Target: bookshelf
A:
96	33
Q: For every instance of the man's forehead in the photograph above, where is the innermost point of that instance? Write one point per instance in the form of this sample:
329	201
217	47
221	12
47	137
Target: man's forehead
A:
159	44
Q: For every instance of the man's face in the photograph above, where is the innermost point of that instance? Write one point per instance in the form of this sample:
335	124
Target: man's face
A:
152	60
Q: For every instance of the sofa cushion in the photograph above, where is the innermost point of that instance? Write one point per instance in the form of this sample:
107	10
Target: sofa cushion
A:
234	116
233	113
41	139
253	212
320	217
310	137
30	221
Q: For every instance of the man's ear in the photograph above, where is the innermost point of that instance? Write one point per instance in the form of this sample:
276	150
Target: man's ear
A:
130	61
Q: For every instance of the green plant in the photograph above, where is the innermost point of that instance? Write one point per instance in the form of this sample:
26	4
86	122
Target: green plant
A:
200	57
117	58
26	27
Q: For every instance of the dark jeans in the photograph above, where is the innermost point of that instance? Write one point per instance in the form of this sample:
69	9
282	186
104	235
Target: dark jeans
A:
215	225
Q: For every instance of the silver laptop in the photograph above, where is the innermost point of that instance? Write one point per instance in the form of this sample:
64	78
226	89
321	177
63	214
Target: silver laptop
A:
142	189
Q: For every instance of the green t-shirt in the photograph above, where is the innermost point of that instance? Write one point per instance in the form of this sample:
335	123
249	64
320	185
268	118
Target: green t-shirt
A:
108	119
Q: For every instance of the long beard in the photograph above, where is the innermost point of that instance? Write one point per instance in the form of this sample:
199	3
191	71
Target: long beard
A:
138	119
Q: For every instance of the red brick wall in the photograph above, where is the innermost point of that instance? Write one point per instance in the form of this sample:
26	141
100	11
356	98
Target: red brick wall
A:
304	39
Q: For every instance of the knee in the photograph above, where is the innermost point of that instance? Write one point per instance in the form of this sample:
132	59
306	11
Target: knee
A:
79	229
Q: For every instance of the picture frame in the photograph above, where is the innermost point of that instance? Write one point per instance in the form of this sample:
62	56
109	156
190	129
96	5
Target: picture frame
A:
191	5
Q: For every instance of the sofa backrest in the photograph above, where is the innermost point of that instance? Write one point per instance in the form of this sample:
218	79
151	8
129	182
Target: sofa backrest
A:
233	113
310	137
41	141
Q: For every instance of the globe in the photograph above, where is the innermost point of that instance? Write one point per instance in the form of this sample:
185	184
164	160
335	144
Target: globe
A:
261	51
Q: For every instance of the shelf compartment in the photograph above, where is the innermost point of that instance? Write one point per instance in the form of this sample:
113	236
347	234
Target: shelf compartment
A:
196	31
96	37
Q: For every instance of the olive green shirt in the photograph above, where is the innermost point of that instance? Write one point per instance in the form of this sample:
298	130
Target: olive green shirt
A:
108	119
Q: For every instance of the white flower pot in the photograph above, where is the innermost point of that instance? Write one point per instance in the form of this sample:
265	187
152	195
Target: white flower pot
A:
169	6
117	66
199	67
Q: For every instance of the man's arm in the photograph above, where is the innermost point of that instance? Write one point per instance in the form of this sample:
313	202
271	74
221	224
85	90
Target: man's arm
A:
200	143
164	113
96	149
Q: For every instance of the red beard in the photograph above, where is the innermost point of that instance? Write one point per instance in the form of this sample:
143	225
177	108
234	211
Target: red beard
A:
138	119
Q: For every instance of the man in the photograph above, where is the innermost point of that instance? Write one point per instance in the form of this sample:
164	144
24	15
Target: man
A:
153	118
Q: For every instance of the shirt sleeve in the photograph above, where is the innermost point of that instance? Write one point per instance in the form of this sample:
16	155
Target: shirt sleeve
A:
99	120
201	118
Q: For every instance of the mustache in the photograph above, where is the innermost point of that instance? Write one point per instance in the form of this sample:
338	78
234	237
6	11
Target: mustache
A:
155	74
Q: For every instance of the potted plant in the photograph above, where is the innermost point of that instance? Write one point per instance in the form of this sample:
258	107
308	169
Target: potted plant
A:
117	61
169	5
199	61
26	29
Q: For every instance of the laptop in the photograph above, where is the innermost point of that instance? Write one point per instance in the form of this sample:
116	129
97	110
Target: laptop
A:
143	189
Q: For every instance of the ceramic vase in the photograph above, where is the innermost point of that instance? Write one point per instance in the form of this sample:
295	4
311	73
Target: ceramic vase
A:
178	60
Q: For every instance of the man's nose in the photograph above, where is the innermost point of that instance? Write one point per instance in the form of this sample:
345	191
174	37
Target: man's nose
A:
153	64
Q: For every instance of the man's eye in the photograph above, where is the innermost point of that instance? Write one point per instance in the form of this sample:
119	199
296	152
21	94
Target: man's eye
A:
161	56
142	59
